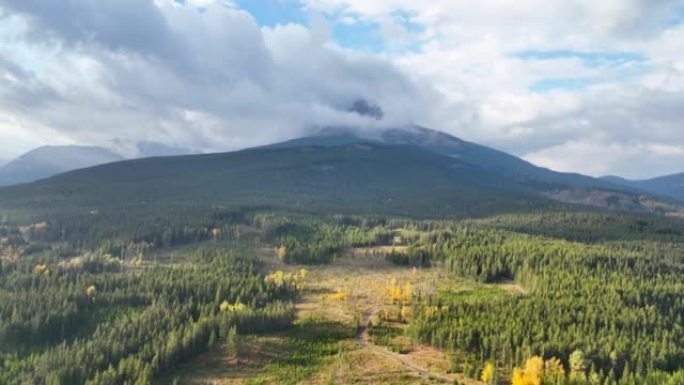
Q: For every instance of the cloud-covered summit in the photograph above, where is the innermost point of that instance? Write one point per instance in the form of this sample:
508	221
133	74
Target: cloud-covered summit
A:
592	87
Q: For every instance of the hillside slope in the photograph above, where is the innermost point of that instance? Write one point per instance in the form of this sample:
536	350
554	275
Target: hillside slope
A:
444	144
570	188
412	172
671	186
358	177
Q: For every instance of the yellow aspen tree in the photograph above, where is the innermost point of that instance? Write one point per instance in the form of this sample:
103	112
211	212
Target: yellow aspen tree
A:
534	371
553	369
338	296
518	377
91	291
41	269
225	306
238	307
277	278
281	252
488	373
395	292
407	293
578	365
216	232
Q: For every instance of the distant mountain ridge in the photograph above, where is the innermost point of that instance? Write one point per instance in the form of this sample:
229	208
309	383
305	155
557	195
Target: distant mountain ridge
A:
671	186
410	171
351	178
47	161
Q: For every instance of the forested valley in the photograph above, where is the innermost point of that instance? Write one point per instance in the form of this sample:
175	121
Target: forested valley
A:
112	298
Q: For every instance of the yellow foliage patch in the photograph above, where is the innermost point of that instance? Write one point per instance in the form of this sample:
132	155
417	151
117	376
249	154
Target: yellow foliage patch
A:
91	291
339	296
281	252
553	369
399	294
289	280
235	308
216	232
537	371
430	311
488	373
42	270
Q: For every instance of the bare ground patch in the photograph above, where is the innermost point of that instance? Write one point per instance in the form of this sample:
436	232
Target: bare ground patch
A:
364	276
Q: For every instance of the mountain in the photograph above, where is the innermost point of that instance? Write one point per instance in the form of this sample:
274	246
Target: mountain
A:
444	144
47	161
412	171
671	186
351	178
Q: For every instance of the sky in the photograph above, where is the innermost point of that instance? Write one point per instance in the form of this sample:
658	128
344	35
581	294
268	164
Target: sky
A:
595	87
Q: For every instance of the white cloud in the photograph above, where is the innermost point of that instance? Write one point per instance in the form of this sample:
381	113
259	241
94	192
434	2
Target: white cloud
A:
20	136
200	3
626	58
204	75
604	158
208	79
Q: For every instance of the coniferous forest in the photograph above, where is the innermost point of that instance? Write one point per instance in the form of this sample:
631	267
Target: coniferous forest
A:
124	300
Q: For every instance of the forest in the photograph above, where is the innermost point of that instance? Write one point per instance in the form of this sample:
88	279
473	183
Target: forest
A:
116	298
99	321
618	304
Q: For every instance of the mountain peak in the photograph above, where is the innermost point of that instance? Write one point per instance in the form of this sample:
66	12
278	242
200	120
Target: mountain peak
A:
404	170
47	161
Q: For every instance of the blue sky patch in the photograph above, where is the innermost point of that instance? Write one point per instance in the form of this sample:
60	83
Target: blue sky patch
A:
621	66
590	59
568	84
270	13
357	34
367	35
362	35
677	17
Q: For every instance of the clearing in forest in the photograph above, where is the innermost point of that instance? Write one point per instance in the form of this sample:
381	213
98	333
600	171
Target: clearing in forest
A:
337	337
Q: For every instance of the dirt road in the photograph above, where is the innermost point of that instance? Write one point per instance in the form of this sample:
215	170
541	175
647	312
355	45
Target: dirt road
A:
405	361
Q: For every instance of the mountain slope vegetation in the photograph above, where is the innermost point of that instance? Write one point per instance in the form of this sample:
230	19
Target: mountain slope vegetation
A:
408	172
444	144
358	177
